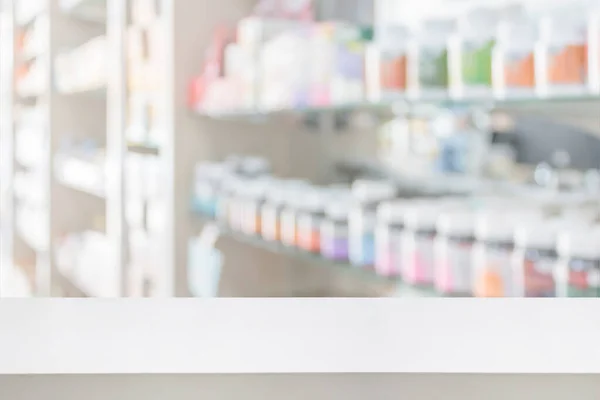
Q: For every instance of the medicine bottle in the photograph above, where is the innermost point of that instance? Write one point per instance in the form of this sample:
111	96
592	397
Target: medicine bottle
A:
388	237
562	52
310	219
514	57
225	207
294	201
493	249
428	59
271	212
418	237
252	201
362	219
471	54
334	230
453	252
578	270
535	259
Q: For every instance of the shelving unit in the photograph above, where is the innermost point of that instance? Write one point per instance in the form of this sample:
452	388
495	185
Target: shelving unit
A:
152	140
71	115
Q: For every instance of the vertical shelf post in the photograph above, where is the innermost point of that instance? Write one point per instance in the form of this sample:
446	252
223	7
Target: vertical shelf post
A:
116	23
7	160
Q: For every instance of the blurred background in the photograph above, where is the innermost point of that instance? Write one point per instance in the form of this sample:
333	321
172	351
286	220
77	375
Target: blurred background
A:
298	148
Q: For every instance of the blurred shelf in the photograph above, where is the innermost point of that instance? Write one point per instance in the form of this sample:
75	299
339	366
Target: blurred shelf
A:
458	184
143	148
93	92
86	189
69	285
17	281
24	18
86	10
27	237
400	105
259	114
68	173
396	286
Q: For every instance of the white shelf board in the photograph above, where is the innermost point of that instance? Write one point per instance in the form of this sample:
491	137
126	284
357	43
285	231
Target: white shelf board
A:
86	10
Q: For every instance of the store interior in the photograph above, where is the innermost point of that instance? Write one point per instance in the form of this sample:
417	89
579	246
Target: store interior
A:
300	148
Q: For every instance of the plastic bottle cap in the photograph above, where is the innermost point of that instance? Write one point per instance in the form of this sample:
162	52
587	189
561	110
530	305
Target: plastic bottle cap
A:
458	223
338	210
537	234
369	191
500	224
393	211
425	215
580	242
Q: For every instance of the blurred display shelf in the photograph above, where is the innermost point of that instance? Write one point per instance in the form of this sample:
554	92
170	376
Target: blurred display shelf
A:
143	148
27	14
399	105
444	183
29	237
17	281
80	175
69	285
396	287
81	187
98	92
85	10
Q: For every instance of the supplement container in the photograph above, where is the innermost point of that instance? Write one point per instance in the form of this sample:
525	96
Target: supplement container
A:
208	180
534	260
252	200
388	237
594	47
513	58
428	60
334	230
276	200
492	252
362	219
562	53
578	269
420	223
294	202
204	200
254	167
470	61
235	203
309	221
453	253
226	199
271	212
387	64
